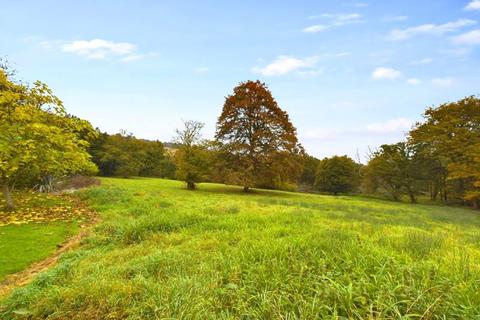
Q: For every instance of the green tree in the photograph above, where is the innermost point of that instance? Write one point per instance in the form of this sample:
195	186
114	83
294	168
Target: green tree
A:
309	172
397	169
37	137
260	142
192	159
124	155
338	174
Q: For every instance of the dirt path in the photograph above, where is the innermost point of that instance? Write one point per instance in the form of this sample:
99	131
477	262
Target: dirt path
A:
24	277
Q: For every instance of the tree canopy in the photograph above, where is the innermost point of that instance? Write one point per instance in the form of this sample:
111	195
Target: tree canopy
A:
338	174
37	137
450	135
260	141
124	155
193	159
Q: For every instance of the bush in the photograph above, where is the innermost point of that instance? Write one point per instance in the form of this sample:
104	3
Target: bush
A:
79	182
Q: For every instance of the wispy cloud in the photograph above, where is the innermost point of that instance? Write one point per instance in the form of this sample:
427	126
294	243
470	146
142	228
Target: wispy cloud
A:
429	29
99	48
283	65
311	73
422	61
343	19
386	74
133	57
468	38
333	20
394	125
473	5
305	67
445	82
397	125
395	18
414	81
315	28
360	5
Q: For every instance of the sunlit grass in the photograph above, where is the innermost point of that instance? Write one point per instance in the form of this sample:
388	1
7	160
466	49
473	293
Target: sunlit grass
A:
23	244
164	252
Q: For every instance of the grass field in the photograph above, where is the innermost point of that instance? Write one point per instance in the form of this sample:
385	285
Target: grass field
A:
163	252
21	245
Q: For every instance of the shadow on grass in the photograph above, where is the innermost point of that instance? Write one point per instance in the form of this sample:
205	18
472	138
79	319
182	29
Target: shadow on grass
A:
238	191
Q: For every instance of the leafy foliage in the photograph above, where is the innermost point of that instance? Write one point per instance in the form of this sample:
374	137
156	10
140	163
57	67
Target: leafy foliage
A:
193	159
450	136
260	142
33	207
338	174
124	155
397	169
309	171
37	137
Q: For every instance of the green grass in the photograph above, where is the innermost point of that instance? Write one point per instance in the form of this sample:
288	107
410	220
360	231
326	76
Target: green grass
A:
163	252
21	245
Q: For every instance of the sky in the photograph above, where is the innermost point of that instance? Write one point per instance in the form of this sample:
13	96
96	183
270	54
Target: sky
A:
352	75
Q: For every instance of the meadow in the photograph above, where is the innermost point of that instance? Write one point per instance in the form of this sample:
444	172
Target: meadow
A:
164	252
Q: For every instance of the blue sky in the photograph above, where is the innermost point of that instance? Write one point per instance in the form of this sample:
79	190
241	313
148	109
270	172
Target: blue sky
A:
351	74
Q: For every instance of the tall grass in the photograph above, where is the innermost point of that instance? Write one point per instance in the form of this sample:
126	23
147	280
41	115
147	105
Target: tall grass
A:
162	252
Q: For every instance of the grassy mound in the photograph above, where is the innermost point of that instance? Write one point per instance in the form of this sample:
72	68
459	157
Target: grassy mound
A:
217	253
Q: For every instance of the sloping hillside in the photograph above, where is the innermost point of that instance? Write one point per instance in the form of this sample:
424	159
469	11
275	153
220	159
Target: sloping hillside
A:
164	252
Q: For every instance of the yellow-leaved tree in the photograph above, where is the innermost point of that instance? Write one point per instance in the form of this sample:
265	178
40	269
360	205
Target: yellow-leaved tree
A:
37	137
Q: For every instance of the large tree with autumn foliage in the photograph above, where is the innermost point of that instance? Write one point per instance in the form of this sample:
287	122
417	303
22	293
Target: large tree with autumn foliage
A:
260	142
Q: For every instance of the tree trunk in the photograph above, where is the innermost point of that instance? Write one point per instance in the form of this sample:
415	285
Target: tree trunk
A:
190	185
412	197
246	188
7	194
476	204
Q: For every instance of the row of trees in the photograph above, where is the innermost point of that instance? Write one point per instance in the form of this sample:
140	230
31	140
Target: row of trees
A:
123	155
255	145
440	158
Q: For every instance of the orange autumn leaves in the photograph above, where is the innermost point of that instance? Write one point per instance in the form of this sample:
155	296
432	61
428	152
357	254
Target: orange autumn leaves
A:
39	208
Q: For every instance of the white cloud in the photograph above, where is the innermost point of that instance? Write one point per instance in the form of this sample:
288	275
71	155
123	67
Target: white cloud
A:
394	125
311	73
100	49
360	4
422	61
443	82
414	81
395	18
429	29
468	38
473	5
321	134
386	73
343	19
333	20
455	52
315	28
133	57
283	65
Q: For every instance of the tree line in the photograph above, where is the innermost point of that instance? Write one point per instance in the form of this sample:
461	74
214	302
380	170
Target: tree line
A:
255	146
440	157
